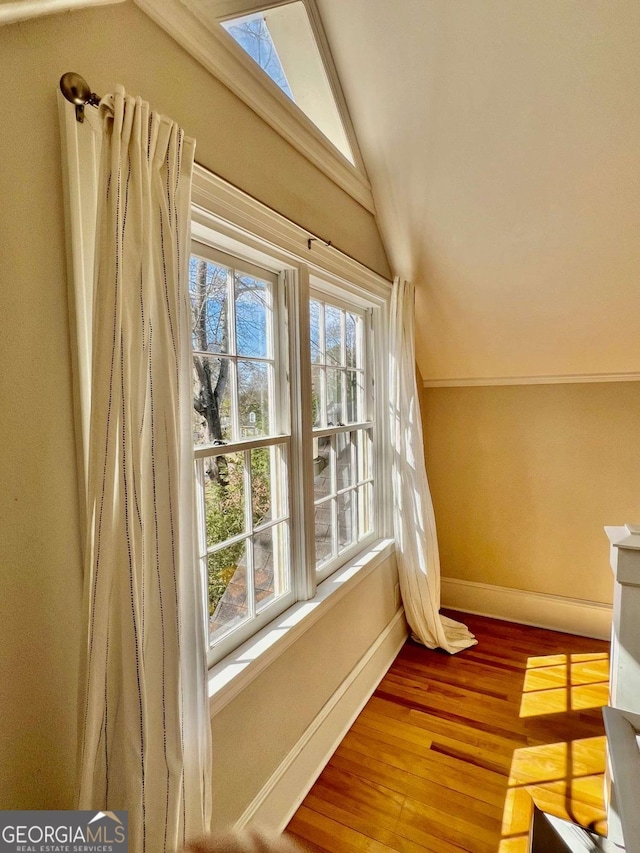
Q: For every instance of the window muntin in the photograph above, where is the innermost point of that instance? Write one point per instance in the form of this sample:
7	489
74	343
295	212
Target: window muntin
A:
240	447
343	429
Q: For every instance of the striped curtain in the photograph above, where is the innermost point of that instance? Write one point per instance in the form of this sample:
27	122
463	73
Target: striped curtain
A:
414	520
144	722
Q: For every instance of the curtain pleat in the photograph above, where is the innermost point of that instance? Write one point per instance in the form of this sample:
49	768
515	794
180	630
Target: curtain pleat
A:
414	520
144	723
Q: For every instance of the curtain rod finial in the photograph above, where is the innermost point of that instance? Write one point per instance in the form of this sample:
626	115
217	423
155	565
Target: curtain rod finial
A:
76	89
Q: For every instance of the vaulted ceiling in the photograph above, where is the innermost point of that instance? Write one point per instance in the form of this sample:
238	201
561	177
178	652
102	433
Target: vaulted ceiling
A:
502	140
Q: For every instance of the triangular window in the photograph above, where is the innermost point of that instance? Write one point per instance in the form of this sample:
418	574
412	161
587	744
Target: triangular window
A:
281	40
274	55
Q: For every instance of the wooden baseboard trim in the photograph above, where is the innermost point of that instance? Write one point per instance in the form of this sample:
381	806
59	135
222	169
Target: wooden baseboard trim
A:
281	795
571	615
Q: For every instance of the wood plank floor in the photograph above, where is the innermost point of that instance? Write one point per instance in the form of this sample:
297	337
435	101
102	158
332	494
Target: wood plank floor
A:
450	751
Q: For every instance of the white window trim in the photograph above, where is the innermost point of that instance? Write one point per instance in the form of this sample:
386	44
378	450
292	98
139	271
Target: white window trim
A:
242	225
295	29
216	50
244	221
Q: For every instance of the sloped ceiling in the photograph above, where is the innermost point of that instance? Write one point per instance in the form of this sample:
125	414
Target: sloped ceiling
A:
502	140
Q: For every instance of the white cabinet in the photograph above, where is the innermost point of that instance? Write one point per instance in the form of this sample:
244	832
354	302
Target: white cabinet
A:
625	637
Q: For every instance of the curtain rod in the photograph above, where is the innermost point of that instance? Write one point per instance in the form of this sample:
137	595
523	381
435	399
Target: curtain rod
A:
76	90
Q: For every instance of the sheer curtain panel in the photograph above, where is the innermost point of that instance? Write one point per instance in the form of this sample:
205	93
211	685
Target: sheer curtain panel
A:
144	722
414	521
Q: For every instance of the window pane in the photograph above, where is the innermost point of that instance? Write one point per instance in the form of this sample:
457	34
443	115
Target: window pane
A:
352	328
344	469
212	400
323	531
322	468
227	574
224	497
317	396
253	316
268	484
209	306
252	34
365	510
355	391
346	503
365	454
334	397
253	398
271	550
333	334
315	329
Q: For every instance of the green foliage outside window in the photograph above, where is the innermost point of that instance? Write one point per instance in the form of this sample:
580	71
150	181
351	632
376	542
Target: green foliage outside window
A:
225	516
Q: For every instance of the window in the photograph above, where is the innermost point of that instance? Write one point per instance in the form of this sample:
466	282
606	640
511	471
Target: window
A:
288	492
282	41
241	439
342	428
298	95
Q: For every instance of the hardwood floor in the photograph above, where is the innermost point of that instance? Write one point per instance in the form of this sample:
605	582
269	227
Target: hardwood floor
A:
449	752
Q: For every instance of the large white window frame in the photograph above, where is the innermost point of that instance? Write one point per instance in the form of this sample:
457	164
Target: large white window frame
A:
232	222
231	622
352	470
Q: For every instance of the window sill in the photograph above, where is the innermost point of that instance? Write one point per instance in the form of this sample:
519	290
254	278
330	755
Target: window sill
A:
234	672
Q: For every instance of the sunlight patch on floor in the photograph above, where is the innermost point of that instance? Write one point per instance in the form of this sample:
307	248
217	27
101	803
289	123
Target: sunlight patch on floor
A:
565	779
554	684
552	762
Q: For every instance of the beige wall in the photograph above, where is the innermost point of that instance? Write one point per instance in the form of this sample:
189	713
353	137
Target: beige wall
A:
253	733
40	594
525	477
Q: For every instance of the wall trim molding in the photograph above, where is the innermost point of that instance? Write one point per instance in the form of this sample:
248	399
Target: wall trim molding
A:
560	379
284	791
541	610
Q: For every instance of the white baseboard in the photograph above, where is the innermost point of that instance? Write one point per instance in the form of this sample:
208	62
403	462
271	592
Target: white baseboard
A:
571	615
280	796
